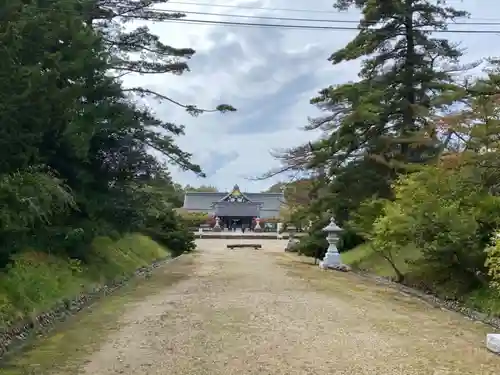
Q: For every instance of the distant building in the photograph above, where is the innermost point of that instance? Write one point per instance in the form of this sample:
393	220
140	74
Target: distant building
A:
235	206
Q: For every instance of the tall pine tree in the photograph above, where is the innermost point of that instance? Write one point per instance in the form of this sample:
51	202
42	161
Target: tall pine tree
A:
406	76
386	116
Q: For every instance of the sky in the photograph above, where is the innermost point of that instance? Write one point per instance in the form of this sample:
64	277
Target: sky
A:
269	75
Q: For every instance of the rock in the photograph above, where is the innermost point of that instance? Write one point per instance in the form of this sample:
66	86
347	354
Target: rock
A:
339	267
493	342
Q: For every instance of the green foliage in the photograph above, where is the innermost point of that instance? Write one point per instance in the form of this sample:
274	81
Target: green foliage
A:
356	182
77	172
366	215
493	260
365	257
31	196
35	282
76	158
399	164
169	230
194	219
314	244
202	188
449	217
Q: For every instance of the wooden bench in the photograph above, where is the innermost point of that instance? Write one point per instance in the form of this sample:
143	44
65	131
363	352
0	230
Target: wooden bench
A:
242	245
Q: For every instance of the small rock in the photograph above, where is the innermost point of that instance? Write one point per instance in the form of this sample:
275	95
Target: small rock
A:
340	267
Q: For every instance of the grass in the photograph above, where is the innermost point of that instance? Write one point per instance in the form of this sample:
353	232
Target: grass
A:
63	350
484	300
365	258
343	285
36	281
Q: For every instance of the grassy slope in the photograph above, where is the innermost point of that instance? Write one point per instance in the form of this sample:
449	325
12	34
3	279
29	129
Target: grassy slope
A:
364	258
64	350
37	281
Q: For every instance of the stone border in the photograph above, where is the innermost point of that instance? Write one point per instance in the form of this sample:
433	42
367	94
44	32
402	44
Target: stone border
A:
17	335
450	305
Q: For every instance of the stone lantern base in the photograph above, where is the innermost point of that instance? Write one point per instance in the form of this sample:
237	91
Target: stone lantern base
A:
337	267
331	259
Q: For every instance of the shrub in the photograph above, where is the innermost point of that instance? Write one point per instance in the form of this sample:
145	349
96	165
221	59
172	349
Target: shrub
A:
169	230
195	219
314	244
449	216
493	261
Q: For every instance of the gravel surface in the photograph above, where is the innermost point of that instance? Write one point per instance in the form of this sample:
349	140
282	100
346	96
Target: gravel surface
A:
262	312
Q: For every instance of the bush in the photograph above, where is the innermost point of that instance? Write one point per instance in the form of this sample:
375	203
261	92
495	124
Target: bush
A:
314	244
195	219
449	216
493	261
169	230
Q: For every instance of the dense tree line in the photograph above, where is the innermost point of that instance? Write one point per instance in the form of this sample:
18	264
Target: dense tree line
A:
408	160
75	153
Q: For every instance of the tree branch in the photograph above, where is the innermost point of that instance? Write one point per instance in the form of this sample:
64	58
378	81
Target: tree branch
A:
191	109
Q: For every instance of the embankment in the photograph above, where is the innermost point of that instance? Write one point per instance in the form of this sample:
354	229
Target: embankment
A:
39	290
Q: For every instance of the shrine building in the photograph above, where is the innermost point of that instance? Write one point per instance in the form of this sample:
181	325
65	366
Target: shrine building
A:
235	206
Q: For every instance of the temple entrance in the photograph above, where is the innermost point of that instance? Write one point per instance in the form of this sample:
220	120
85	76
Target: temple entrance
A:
239	222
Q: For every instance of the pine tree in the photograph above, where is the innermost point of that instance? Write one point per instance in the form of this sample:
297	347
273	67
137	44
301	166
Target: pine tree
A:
406	79
139	51
406	76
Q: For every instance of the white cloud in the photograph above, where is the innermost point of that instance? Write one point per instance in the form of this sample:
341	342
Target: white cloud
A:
269	74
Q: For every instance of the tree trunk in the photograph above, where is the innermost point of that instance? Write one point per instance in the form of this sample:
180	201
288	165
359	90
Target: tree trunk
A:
408	80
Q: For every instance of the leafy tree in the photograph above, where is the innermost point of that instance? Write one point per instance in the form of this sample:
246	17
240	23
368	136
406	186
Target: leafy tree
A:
493	260
297	197
202	188
449	216
276	188
64	111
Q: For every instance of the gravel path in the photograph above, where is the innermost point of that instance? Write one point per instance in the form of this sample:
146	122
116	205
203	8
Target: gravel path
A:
255	312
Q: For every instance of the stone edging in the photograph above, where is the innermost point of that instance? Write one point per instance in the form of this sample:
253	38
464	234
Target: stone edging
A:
450	305
16	337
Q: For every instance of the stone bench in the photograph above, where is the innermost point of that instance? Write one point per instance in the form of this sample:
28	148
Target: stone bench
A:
243	245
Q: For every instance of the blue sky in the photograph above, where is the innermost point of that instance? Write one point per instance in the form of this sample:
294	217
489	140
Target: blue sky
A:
269	75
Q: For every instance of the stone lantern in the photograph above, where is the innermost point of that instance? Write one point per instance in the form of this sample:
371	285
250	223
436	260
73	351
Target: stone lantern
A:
292	241
217	227
257	227
332	256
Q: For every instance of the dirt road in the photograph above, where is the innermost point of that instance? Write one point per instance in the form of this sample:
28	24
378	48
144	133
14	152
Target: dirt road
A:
264	312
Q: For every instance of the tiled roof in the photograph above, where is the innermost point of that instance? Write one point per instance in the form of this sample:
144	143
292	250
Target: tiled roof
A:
204	201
